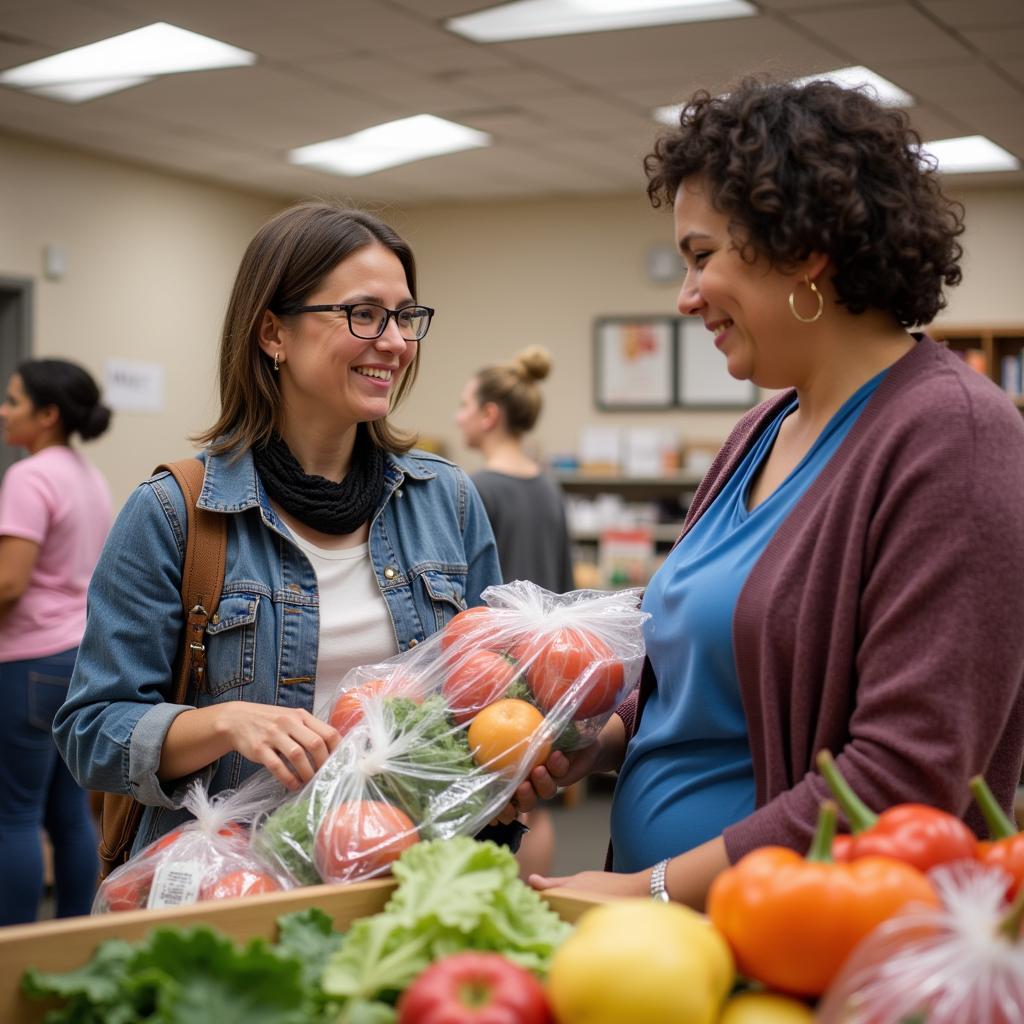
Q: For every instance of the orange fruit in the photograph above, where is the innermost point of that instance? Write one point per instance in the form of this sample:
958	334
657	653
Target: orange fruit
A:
500	737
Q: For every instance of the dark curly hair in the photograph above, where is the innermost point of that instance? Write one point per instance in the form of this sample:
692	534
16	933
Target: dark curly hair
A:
819	168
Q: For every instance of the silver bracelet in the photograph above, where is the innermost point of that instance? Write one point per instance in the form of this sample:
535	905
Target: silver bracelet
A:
658	890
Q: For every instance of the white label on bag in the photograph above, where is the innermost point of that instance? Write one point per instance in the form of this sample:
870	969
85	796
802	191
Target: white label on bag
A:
175	884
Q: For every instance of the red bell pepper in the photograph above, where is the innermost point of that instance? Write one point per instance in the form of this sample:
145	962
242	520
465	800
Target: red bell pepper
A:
1006	849
914	833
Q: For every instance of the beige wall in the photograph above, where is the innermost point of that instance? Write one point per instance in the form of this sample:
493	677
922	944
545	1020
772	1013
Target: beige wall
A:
150	261
151	258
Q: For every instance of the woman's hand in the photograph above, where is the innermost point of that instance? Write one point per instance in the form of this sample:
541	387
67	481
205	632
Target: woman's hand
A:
289	742
562	770
606	883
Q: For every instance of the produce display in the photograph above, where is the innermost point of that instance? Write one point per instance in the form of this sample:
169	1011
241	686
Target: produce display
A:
793	921
207	858
463	941
435	740
959	963
454	897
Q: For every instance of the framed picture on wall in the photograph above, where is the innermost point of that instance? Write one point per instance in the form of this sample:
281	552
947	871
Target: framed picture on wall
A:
634	363
702	379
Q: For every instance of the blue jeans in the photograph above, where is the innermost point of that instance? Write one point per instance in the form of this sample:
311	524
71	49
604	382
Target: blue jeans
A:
37	792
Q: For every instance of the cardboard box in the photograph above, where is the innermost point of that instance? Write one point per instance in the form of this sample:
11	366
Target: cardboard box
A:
69	943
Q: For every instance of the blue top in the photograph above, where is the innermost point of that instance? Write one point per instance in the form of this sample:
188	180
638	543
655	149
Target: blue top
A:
432	552
688	771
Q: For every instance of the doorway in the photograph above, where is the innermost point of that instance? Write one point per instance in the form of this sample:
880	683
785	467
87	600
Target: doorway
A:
15	340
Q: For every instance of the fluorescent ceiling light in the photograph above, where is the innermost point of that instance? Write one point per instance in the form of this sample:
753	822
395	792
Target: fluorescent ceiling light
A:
668	115
531	19
158	49
388	145
970	154
887	93
79	92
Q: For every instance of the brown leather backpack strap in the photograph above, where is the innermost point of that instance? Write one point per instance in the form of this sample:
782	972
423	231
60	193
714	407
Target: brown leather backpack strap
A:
202	572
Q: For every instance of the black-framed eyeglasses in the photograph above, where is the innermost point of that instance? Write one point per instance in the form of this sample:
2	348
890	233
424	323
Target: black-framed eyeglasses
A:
368	320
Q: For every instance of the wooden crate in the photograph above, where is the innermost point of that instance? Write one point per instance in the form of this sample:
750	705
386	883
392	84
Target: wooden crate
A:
65	944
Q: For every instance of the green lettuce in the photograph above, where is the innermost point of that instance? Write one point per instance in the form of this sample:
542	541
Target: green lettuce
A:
193	976
453	895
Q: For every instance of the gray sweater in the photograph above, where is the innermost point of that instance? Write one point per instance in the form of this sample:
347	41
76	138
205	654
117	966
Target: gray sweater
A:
885	619
527	515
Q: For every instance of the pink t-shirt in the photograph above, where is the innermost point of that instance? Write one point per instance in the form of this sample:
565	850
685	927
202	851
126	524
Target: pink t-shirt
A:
58	499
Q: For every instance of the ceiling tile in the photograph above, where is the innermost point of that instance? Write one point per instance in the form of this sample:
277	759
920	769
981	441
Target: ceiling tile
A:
870	34
1014	67
410	92
68	26
941	82
959	14
1004	41
290	111
718	52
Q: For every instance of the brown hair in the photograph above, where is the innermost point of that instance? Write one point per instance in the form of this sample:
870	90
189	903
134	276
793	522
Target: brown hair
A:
284	263
513	387
820	168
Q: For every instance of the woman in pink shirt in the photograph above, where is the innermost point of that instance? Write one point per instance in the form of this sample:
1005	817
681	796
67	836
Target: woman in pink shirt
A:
55	511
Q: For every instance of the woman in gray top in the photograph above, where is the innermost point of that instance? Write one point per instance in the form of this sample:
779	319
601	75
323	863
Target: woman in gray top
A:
499	406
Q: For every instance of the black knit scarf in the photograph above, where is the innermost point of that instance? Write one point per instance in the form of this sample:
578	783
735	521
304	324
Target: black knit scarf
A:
317	501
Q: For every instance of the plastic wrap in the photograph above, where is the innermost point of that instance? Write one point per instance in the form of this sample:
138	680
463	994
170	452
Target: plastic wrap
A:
207	858
435	740
962	963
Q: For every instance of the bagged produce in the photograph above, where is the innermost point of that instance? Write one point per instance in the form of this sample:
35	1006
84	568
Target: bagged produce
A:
957	963
435	740
207	858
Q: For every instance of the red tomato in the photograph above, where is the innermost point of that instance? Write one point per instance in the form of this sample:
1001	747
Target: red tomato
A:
244	882
476	681
361	838
554	661
841	848
470	628
348	708
916	834
128	888
474	988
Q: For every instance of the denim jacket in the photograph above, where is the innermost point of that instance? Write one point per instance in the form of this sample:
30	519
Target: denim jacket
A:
432	551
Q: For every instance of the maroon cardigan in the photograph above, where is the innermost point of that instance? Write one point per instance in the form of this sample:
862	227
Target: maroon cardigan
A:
885	619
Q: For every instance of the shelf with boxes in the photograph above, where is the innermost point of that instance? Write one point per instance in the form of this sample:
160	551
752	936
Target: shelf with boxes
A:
997	352
622	526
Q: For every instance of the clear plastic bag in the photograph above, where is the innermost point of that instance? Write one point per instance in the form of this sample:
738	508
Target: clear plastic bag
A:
953	965
207	858
435	740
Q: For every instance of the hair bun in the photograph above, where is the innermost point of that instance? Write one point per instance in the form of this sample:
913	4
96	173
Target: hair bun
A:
95	422
534	362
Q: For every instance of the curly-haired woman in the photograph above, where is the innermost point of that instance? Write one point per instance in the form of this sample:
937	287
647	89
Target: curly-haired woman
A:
849	572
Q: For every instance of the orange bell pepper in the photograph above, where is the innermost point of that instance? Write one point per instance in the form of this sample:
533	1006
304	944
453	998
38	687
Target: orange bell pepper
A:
1006	850
792	922
915	833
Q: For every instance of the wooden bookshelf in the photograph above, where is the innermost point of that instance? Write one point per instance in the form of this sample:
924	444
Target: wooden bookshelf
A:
994	344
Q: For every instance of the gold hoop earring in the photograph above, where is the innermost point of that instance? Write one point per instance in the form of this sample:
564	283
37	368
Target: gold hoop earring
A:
821	303
277	360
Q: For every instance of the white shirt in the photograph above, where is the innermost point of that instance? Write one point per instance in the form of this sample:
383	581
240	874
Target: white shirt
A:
355	625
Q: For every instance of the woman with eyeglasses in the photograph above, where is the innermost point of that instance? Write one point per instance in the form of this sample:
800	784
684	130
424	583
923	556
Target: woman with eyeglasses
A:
345	544
849	573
